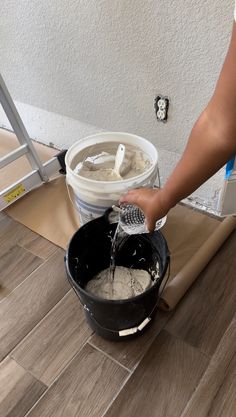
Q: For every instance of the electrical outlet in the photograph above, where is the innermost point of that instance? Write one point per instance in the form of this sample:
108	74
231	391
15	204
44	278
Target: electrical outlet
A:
161	106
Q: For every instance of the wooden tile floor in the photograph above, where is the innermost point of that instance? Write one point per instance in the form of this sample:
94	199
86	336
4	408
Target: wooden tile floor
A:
52	365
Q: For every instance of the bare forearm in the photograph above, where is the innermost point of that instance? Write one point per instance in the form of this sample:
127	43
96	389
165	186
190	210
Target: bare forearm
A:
208	149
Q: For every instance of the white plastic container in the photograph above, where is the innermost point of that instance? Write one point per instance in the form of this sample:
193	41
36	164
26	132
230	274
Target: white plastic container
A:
91	198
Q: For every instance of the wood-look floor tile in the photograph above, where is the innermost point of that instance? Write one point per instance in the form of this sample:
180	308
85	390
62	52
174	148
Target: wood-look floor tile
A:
55	340
224	403
207	309
130	352
163	382
85	388
31	301
2	215
15	265
37	244
215	395
12	233
18	389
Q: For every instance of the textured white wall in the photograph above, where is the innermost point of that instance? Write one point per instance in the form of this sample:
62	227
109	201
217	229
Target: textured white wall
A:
103	61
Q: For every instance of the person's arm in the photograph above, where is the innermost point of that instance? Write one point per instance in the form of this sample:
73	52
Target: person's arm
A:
211	144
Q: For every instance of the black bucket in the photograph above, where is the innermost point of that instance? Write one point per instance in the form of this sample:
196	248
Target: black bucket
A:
89	253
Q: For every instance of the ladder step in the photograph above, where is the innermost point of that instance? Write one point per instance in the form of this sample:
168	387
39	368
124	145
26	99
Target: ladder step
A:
12	156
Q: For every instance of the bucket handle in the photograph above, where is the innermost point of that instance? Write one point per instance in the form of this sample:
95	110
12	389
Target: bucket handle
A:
68	186
69	192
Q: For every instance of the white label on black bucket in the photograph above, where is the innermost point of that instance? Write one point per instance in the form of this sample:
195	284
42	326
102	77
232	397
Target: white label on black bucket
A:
144	323
133	330
127	332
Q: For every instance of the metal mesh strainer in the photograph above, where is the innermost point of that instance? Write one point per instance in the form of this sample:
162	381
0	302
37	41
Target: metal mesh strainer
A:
132	220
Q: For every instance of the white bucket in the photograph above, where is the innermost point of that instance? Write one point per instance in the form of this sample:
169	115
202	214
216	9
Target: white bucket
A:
91	198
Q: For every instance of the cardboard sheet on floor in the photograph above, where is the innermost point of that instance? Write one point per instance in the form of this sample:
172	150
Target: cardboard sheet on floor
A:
192	237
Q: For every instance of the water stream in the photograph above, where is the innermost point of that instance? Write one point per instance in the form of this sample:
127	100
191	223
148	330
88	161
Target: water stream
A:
117	238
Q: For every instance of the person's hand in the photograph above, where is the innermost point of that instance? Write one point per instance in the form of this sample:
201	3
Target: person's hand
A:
151	201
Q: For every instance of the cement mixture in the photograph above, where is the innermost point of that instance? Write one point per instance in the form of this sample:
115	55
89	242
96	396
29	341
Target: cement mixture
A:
100	166
127	283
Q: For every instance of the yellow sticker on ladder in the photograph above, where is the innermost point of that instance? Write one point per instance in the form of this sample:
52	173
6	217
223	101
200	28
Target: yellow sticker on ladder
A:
14	193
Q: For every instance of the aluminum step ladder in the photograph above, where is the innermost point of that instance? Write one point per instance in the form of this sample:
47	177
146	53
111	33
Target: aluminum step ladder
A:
40	173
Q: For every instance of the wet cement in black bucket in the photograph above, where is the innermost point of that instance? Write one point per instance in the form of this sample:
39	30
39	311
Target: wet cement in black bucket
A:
89	253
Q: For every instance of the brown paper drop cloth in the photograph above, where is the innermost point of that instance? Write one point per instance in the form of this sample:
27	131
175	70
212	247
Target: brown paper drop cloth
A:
48	211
